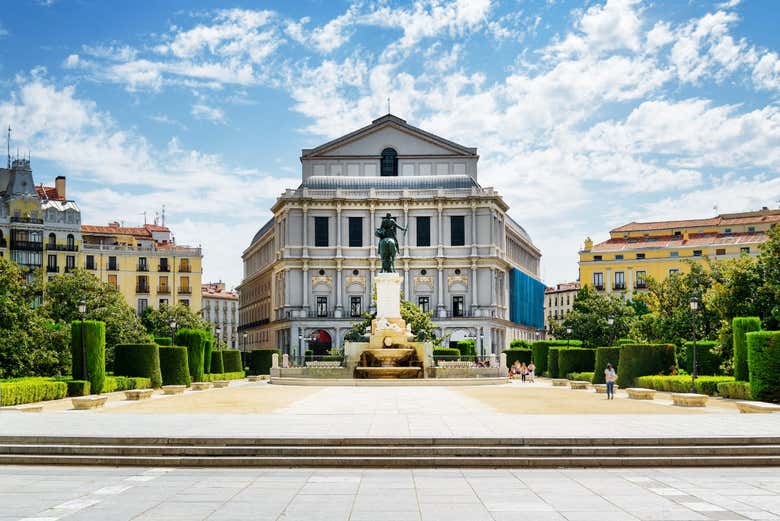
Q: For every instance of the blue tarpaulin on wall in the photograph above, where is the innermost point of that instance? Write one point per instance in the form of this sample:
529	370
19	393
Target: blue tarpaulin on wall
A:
526	300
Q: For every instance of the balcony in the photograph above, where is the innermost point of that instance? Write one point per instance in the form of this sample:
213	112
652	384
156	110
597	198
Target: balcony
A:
90	266
163	269
26	245
619	286
69	269
52	269
184	269
142	267
62	247
141	288
640	285
599	287
185	291
26	220
112	267
163	291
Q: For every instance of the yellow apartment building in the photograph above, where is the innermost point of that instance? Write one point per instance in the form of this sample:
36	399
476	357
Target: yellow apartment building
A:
635	251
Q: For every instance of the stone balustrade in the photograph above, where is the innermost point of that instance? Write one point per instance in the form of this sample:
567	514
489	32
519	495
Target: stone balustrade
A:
88	402
689	399
455	364
757	407
321	364
138	394
638	393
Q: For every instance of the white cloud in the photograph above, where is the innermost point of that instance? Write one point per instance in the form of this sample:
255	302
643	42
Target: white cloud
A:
212	114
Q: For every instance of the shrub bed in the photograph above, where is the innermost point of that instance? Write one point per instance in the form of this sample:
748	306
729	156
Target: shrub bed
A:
231	360
735	390
259	360
524	356
216	362
94	343
193	340
576	360
624	341
682	384
29	390
163	341
552	362
138	360
580	377
174	366
707	358
519	344
764	364
604	356
238	375
78	387
208	348
446	353
644	360
741	326
467	347
126	383
539	352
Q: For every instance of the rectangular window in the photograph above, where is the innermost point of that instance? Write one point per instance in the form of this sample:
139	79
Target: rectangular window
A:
70	262
322	306
728	230
597	257
619	256
142	266
163	264
424	303
751	229
51	264
457	230
423	231
458	305
142	304
697	253
355	306
112	263
184	285
355	232
640	255
598	280
320	231
163	302
744	250
677	234
185	302
112	281
184	266
720	251
674	254
141	284
163	285
641	283
674	271
620	280
90	262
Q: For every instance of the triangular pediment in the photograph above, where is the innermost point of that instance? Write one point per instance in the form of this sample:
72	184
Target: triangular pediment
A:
389	131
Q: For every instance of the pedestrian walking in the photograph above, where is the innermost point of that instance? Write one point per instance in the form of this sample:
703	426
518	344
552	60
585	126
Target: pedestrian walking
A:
610	376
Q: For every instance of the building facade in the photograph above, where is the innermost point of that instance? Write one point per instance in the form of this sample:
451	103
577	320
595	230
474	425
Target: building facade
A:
220	309
308	272
635	251
40	229
558	301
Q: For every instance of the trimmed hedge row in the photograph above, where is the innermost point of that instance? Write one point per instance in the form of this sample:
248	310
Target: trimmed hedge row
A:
126	383
259	360
225	376
231	360
163	341
216	362
764	364
173	366
735	390
707	360
741	326
30	390
682	384
467	347
644	360
540	352
94	343
193	340
208	349
552	362
138	360
576	360
524	356
446	353
580	377
78	387
519	344
604	356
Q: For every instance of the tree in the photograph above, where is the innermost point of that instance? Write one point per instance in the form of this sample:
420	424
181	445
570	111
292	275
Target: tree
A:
589	317
422	326
768	293
158	321
104	303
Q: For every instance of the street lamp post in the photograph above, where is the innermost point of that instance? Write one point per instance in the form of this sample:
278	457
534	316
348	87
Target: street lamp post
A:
82	312
694	307
245	336
568	336
300	343
610	321
173	331
218	331
482	343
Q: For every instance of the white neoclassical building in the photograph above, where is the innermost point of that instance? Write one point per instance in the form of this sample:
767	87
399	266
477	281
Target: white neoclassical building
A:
308	271
220	309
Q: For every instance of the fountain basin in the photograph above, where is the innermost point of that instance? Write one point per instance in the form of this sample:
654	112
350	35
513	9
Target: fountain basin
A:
389	357
389	372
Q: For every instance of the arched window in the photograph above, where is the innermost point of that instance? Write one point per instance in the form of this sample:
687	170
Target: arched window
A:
52	240
71	241
389	166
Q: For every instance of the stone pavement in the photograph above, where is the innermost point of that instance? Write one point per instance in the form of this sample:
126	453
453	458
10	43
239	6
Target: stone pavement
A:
387	412
121	494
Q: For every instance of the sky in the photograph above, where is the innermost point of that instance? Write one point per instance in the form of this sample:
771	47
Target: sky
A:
587	115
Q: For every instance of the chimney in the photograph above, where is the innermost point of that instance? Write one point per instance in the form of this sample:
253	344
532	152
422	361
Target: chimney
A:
59	184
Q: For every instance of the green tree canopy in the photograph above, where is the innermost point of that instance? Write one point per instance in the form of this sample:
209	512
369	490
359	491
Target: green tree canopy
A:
158	321
589	316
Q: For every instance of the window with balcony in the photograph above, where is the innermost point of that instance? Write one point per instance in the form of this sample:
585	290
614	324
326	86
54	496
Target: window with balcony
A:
51	264
142	305
424	303
458	306
320	231
163	302
184	285
70	262
90	262
355	232
620	280
697	253
52	242
184	265
423	231
619	256
720	251
598	280
163	267
641	282
322	307
185	302
355	306
457	230
142	284
112	263
163	285
142	265
71	242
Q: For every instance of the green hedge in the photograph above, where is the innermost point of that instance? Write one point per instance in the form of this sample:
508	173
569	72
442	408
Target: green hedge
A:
576	360
735	390
216	362
259	360
519	344
231	360
238	375
540	351
467	347
604	356
741	327
764	364
30	390
126	383
682	383
644	360
208	348
95	346
163	341
708	360
194	340
78	387
580	377
174	366
552	362
624	341
524	356
138	360
446	353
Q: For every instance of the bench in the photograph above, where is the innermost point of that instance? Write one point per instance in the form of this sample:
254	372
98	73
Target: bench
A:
138	394
219	384
174	389
88	402
580	384
689	399
254	378
29	408
637	393
602	388
757	407
200	386
560	382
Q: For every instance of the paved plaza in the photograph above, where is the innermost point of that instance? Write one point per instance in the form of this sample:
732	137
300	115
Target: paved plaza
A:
119	494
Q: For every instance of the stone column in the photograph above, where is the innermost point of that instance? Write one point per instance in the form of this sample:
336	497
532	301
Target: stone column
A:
339	311
305	288
406	236
473	228
493	301
474	289
440	235
305	231
608	280
629	280
371	225
275	361
338	229
371	268
442	308
407	294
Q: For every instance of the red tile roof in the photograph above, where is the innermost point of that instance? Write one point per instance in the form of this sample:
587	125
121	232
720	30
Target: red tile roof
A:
565	286
210	293
144	232
49	192
695	239
758	217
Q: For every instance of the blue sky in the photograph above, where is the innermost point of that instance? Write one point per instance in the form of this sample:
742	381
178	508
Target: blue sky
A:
587	115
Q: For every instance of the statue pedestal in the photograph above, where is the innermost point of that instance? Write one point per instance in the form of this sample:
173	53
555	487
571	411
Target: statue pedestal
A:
388	295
